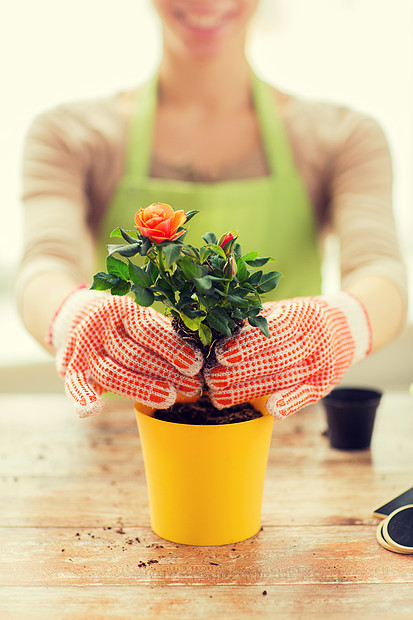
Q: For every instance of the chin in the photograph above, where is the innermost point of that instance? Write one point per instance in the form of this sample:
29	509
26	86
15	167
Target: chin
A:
205	28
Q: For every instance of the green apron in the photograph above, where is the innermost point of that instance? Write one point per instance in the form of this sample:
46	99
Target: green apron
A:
271	214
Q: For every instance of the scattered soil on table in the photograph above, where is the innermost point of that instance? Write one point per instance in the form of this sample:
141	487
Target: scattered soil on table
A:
203	412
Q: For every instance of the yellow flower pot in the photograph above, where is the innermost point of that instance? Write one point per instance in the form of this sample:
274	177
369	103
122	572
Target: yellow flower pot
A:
205	483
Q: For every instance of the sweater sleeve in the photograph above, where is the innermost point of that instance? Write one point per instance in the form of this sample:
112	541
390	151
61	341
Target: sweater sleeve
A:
360	190
66	184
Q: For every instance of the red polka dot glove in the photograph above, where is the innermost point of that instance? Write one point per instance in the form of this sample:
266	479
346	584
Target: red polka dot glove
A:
105	343
312	342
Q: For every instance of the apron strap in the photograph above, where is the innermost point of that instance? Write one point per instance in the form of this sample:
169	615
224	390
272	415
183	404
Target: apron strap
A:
273	133
139	145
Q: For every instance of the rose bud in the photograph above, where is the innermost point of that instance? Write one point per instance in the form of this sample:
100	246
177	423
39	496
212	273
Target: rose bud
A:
227	241
230	269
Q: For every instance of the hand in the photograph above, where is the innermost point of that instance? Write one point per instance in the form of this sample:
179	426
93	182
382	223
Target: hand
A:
312	342
109	343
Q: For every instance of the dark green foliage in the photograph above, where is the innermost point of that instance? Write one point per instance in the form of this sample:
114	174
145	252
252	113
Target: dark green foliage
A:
213	287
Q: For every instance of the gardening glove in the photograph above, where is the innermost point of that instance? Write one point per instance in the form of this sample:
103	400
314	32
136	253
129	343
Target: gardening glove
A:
312	342
105	343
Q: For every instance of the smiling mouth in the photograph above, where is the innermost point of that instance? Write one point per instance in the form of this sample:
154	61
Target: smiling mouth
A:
202	21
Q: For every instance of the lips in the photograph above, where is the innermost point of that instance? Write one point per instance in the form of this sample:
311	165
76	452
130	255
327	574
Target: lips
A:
208	19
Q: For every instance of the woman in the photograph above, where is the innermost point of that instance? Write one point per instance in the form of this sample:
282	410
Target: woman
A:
205	133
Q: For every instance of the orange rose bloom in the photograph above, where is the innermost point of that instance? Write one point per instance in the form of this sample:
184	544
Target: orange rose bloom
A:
160	222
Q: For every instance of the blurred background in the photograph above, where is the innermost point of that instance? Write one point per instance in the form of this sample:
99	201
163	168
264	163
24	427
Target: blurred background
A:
353	52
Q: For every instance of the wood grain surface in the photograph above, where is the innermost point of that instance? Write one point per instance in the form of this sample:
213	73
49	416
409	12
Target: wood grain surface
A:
76	542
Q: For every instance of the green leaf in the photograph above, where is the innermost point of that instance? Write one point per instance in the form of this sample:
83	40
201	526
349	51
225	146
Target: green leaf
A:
209	237
203	284
204	252
269	281
143	296
163	299
255	304
238	302
192	313
172	252
184	301
242	270
241	291
190	251
261	322
218	250
152	270
192	324
218	319
124	250
120	288
184	287
255	278
190	215
145	246
117	267
248	287
103	281
259	262
239	313
252	290
139	276
250	256
254	308
190	269
162	286
116	233
205	334
219	325
119	232
217	263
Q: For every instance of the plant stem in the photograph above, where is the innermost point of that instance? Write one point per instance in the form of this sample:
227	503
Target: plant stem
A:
162	269
161	262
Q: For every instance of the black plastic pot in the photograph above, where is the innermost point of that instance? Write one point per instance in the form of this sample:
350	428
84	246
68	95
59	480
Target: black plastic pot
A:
350	417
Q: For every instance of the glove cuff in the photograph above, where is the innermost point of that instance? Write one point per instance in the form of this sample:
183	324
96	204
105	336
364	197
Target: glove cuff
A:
358	322
75	307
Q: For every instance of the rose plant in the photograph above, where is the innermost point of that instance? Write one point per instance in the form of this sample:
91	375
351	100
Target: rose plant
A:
214	478
209	290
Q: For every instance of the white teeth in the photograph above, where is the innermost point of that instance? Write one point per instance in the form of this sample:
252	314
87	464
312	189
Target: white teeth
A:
203	21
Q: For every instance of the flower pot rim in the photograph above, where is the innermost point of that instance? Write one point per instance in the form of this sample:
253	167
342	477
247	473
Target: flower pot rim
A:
149	411
361	396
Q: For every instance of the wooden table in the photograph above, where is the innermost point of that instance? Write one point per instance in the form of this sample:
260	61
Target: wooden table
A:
76	543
